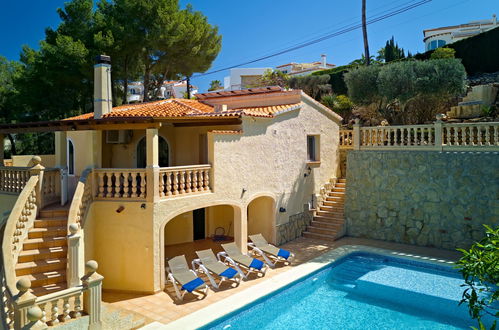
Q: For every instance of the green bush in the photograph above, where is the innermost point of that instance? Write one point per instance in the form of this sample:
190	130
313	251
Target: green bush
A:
478	53
313	85
441	52
407	92
336	78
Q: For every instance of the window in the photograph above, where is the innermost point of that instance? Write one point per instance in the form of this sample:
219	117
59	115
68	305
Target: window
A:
434	44
71	158
313	148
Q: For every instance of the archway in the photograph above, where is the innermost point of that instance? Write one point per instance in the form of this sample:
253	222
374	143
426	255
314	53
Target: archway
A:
164	153
261	217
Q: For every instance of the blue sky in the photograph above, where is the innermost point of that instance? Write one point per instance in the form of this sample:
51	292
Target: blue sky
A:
251	29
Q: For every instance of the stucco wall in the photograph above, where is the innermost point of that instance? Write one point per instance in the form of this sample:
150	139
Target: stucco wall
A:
179	229
423	198
7	202
26	160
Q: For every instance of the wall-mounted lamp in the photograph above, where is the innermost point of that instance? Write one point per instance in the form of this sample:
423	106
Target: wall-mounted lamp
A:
282	209
309	170
120	209
243	191
143	206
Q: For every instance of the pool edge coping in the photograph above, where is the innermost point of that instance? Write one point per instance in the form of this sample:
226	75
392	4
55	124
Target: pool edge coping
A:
221	308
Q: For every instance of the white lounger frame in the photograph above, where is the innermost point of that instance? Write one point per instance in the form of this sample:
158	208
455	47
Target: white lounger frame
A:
178	290
198	266
254	250
236	265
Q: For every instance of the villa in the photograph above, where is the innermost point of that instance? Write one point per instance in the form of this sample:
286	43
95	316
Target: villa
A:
133	186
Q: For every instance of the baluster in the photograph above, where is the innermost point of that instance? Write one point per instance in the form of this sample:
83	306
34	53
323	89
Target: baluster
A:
480	135
134	184
143	185
168	184
207	180
496	135
161	184
109	177
175	182
101	184
194	181
188	181
430	136
54	314
77	307
44	313
456	136
182	182
65	309
488	141
201	180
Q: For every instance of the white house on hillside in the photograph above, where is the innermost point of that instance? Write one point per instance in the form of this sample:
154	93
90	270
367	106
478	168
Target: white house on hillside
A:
303	69
170	89
438	37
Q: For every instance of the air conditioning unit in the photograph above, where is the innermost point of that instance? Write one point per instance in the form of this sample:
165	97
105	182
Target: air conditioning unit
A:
118	137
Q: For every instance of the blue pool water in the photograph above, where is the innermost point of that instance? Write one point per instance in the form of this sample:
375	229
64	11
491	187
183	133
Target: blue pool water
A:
361	291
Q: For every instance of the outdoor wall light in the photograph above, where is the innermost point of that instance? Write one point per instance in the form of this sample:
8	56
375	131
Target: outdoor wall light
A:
120	209
309	170
282	209
143	206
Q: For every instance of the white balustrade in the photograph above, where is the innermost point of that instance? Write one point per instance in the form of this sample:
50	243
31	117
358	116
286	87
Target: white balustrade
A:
115	183
13	179
182	180
346	139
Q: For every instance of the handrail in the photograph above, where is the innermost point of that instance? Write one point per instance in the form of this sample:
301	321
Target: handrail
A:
81	200
184	167
16	230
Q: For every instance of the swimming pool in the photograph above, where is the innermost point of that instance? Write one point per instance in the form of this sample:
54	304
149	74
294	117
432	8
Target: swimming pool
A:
361	291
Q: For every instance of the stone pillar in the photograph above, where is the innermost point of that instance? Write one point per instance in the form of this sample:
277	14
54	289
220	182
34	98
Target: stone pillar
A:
61	149
24	300
38	169
73	275
35	315
2	145
356	134
241	228
152	168
92	296
438	132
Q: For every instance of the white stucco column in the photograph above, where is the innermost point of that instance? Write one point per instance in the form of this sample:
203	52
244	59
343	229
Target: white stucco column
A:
241	228
152	168
61	149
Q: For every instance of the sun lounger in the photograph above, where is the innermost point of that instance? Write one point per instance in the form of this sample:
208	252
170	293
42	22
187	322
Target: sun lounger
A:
209	265
236	259
180	275
259	245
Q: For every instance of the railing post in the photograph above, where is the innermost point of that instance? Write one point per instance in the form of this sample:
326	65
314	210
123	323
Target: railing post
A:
438	132
92	296
152	169
23	301
356	134
38	169
73	256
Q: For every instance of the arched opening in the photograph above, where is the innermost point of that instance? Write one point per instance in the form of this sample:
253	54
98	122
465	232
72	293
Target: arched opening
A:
164	153
70	158
261	217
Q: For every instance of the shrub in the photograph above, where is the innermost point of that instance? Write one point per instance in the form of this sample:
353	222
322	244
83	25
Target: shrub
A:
336	78
407	92
314	86
440	53
339	103
480	269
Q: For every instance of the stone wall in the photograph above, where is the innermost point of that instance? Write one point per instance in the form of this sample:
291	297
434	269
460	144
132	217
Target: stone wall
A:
294	227
436	199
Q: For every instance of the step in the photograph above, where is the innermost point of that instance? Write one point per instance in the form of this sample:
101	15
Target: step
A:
342	180
328	225
323	231
329	219
318	236
339	200
338	189
39	266
329	214
44	242
46	289
333	203
46	278
47	232
331	208
54	211
51	222
336	194
43	253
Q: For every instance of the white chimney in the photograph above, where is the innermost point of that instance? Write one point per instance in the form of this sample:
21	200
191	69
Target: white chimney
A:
323	61
103	99
494	19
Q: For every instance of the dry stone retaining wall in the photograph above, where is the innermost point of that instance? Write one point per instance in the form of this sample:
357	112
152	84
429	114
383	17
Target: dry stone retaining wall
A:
436	199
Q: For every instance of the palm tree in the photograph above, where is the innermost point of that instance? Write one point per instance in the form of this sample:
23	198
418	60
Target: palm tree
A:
364	32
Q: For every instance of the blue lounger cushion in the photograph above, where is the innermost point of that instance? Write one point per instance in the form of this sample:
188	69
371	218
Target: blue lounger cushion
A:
283	253
257	264
192	285
229	273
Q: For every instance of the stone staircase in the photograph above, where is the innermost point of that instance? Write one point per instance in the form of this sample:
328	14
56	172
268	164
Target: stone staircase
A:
43	256
328	222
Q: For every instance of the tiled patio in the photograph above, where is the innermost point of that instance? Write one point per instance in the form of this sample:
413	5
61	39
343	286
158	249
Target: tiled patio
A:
162	307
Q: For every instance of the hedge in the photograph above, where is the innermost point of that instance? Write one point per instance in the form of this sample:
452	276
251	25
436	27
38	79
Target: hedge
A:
479	54
336	80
